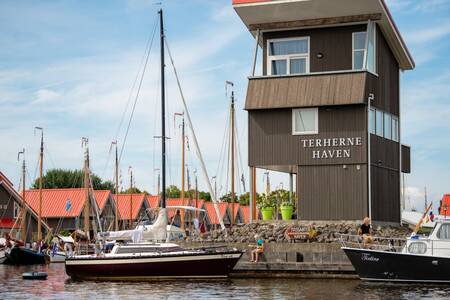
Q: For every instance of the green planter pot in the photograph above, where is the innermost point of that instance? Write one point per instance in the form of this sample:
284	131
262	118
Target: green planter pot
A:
267	213
286	212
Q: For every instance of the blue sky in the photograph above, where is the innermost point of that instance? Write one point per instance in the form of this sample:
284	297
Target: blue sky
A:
69	66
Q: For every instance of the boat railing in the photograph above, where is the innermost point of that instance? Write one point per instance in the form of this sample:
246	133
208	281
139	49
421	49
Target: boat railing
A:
372	242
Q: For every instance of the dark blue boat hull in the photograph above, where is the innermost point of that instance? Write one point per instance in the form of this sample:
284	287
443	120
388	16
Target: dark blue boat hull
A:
22	256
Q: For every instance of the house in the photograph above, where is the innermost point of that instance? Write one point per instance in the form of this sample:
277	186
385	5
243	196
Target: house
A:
212	221
133	208
63	208
326	108
10	203
245	210
237	214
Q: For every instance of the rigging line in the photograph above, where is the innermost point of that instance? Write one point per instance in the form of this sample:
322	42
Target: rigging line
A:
239	148
50	157
194	138
226	161
130	95
224	139
137	94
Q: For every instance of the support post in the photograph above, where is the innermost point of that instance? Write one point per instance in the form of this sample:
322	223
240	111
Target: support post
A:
255	55
369	160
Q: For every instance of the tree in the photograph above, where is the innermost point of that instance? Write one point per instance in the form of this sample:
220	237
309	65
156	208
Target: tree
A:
133	190
64	178
173	192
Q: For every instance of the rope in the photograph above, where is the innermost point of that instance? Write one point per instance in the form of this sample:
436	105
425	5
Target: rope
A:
194	138
137	93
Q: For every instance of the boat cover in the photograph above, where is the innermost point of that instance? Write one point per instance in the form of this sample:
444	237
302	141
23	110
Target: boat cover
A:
157	231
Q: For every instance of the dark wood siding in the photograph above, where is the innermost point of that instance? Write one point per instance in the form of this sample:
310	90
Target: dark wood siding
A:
385	195
335	43
385	87
406	159
271	141
332	192
384	152
308	90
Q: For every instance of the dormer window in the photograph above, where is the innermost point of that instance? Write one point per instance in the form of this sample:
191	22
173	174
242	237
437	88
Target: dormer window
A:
363	47
359	50
288	56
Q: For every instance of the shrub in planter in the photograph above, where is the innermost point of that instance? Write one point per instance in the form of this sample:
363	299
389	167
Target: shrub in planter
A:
266	205
287	209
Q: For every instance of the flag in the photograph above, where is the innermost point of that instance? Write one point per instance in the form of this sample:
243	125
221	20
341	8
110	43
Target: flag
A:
68	204
431	216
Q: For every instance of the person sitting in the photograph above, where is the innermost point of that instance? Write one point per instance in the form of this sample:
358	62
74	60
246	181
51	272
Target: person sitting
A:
258	250
365	230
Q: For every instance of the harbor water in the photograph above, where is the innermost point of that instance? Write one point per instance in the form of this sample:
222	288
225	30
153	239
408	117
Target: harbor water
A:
59	286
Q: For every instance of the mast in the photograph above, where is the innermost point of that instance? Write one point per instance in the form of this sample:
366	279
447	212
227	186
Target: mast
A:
116	224
23	212
41	166
233	193
130	169
86	212
183	142
163	113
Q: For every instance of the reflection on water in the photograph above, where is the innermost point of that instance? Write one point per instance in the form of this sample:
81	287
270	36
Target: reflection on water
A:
59	286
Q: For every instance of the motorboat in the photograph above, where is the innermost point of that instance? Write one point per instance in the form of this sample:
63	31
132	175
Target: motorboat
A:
418	258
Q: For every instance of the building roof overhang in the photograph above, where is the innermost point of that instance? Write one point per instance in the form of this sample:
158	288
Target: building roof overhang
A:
259	13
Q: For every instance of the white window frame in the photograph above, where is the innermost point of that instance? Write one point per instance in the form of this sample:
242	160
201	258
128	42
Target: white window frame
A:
16	210
288	57
353	50
395	119
316	125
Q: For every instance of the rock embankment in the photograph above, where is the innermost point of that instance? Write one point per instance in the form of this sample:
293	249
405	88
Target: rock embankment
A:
275	232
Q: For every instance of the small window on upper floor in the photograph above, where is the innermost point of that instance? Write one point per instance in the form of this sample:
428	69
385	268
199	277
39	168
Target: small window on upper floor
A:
305	121
394	128
16	210
372	121
359	50
387	126
379	123
288	56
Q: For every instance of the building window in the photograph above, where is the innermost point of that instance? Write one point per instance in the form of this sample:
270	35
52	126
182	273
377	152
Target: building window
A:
288	56
395	129
372	121
371	47
305	121
16	210
379	123
359	49
387	126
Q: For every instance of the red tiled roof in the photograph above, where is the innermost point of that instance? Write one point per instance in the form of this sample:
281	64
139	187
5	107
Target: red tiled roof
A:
209	207
124	205
245	209
445	203
55	201
152	201
8	223
101	197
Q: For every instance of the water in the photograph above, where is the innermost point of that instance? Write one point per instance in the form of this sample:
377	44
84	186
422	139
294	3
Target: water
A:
59	286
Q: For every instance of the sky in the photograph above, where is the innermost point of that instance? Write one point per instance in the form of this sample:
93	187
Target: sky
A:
70	67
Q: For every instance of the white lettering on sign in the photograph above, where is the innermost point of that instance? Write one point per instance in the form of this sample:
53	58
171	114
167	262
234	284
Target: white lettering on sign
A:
332	142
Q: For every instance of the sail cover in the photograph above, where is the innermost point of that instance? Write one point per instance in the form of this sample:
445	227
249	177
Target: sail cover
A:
157	231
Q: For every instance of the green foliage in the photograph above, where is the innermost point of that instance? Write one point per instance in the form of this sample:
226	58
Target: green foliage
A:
265	200
173	192
133	190
244	199
64	178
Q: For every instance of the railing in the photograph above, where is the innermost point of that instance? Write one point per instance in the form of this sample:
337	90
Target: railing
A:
372	242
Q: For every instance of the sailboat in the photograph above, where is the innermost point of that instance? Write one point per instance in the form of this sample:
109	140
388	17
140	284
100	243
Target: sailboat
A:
18	254
146	256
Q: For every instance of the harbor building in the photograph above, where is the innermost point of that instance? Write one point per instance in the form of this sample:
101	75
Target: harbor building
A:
10	221
63	208
326	108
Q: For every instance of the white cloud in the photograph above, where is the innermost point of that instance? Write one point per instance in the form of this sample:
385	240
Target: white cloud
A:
427	35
